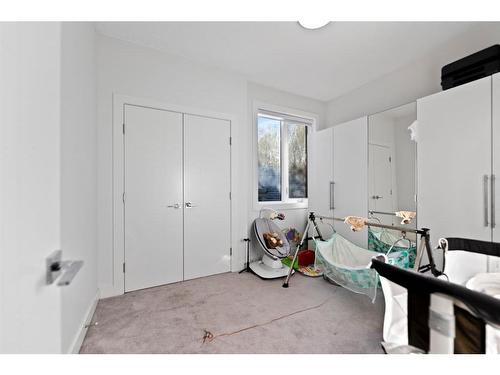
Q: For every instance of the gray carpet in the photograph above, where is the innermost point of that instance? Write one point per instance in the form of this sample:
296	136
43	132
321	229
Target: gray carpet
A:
243	313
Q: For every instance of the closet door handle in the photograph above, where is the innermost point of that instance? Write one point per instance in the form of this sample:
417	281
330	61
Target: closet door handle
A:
190	205
332	195
485	199
493	218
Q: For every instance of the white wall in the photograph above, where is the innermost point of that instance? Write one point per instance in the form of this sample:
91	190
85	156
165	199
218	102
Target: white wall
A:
294	217
129	69
416	80
30	311
134	70
78	175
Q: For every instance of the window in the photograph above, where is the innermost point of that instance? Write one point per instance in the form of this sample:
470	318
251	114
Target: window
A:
282	158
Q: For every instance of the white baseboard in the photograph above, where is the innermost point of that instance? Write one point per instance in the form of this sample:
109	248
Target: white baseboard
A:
78	341
107	291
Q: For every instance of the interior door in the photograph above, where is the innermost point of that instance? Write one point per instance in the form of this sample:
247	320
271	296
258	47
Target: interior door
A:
30	192
350	174
380	169
454	165
153	197
207	205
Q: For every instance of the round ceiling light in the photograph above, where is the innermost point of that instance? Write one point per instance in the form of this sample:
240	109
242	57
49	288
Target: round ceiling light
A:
313	24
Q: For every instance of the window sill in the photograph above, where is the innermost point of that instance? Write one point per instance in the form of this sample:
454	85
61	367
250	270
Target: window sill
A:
282	205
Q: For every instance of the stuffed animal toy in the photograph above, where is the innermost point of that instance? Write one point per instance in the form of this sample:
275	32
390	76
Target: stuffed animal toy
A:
273	240
357	223
407	216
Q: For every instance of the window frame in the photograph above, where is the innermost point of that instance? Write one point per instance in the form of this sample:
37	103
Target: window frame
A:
287	115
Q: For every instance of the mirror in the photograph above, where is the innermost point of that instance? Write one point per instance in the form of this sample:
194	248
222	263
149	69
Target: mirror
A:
392	165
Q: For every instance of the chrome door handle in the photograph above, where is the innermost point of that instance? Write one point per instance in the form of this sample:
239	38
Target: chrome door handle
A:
493	208
190	205
485	199
176	206
377	197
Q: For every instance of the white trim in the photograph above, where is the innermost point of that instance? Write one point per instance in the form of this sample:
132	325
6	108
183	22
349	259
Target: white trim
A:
259	105
119	101
285	116
267	107
78	340
107	290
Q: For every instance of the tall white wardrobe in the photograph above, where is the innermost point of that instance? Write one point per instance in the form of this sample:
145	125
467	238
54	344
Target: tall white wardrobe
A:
176	196
458	164
458	161
340	175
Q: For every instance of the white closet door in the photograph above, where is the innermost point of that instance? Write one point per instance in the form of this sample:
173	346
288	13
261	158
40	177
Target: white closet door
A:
454	156
153	188
321	175
380	180
350	174
207	182
495	263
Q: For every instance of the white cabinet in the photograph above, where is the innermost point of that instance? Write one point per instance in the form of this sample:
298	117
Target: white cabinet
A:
350	176
454	160
321	176
339	176
495	204
455	167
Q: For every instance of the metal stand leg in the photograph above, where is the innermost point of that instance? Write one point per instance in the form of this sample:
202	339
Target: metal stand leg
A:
425	243
420	253
247	265
304	236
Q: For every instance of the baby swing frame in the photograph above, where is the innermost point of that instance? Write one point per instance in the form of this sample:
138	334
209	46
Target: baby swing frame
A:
425	243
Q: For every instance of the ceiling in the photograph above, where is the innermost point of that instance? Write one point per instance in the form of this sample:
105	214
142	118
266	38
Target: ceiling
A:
321	64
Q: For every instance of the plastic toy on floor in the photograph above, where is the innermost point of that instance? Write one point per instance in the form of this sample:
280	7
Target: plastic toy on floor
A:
305	263
306	259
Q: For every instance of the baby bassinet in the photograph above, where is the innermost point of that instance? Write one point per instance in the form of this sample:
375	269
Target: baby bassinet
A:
347	265
383	241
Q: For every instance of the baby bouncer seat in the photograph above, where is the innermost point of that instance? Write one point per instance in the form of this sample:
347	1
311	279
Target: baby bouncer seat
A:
270	266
